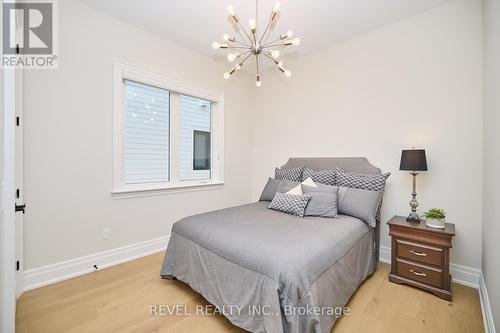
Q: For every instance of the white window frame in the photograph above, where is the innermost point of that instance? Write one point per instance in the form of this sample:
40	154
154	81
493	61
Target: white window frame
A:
176	87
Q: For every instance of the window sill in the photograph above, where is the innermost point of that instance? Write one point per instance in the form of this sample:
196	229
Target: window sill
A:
174	188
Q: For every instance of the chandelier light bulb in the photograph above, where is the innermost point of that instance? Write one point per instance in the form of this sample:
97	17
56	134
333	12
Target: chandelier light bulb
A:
215	45
296	41
288	73
275	54
233	56
288	34
227	75
276	6
280	64
252	24
225	37
258	84
230	9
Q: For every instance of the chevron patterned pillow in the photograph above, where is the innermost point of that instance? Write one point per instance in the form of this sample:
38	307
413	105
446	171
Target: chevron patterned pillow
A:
327	177
290	204
295	174
362	181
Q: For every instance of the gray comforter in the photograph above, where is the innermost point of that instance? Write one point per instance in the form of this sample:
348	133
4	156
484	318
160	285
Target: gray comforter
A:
270	271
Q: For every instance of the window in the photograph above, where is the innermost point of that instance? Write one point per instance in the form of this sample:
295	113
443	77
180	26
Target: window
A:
167	133
201	150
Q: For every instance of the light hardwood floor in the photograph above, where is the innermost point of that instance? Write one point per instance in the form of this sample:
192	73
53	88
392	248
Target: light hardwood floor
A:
118	299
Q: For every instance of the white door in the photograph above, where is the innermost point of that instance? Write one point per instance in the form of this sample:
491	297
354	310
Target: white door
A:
9	233
19	194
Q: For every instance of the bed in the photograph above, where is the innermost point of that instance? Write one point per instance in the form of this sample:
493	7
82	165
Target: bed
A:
269	271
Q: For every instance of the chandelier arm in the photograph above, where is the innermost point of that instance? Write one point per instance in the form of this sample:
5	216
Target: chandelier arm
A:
265	32
246	33
257	62
273	45
245	59
273	41
239	47
241	43
270	58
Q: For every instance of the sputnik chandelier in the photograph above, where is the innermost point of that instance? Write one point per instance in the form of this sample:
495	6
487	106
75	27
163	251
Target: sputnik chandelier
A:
250	44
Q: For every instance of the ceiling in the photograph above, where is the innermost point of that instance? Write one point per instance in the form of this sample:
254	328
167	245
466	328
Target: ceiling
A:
195	24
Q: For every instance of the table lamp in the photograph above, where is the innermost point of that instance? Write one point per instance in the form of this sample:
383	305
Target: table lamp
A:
413	160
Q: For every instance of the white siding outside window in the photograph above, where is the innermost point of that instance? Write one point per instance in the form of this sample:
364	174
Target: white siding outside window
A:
146	145
167	133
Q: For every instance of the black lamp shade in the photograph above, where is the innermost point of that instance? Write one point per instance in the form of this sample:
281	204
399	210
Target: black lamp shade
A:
413	160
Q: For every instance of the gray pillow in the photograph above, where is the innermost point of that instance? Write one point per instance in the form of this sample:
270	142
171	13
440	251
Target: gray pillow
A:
289	203
362	181
294	174
286	185
323	200
328	177
270	189
362	204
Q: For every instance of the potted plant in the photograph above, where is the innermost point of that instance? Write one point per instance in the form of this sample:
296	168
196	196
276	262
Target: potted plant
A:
435	218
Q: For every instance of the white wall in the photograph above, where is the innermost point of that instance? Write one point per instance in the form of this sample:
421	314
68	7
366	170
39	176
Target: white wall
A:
68	144
491	166
414	83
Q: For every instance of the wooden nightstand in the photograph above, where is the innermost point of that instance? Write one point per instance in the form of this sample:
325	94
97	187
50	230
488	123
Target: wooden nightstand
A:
421	255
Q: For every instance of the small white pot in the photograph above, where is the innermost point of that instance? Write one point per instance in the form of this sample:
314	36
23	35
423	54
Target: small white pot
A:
435	223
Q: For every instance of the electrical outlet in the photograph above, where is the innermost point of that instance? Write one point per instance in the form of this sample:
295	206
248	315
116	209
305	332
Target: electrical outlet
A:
106	233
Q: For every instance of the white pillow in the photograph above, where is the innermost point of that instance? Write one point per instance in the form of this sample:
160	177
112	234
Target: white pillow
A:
309	182
297	190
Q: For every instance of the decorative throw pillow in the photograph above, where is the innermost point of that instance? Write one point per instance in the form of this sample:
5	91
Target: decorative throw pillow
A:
290	204
286	185
270	189
294	175
362	181
309	182
326	177
297	190
362	204
323	200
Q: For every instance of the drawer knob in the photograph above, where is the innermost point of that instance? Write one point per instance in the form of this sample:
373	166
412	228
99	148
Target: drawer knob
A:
417	273
420	254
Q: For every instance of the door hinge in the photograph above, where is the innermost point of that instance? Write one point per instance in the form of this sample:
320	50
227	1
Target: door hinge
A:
17	265
17	194
17	121
21	208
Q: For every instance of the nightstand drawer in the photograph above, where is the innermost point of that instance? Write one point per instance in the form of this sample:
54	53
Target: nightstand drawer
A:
419	252
420	273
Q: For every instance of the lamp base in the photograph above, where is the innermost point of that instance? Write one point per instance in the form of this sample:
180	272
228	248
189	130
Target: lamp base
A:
413	217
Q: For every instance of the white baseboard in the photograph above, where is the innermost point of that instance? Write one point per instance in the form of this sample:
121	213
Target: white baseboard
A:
489	325
42	276
464	275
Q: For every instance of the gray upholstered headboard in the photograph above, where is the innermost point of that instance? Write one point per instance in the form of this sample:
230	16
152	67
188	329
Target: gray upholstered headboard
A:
350	164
